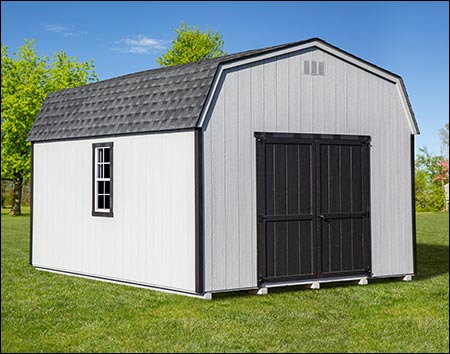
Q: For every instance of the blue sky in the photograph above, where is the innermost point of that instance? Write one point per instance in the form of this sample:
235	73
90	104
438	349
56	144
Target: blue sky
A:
409	38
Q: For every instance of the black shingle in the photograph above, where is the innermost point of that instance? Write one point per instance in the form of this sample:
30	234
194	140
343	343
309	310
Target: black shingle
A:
167	98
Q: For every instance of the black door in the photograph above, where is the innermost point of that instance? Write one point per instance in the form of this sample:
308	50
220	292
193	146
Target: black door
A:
313	206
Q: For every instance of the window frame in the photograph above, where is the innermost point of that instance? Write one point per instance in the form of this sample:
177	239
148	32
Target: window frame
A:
95	210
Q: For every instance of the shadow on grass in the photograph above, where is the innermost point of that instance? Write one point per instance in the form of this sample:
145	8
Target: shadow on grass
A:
432	260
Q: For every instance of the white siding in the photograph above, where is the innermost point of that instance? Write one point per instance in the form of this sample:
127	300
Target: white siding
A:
275	96
150	240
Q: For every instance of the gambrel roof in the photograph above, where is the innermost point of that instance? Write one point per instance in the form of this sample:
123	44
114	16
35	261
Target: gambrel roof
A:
158	100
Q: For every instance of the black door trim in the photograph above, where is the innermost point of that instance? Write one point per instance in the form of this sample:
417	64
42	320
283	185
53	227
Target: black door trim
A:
315	140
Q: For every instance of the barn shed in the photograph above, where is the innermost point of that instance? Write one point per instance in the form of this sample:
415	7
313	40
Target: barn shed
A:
285	165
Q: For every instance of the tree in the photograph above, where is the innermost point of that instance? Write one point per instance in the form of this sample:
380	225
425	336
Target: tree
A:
190	45
26	80
443	135
430	195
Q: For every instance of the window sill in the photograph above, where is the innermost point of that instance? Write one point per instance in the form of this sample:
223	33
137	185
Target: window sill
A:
108	214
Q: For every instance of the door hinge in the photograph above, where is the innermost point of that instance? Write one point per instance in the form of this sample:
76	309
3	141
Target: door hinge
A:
261	218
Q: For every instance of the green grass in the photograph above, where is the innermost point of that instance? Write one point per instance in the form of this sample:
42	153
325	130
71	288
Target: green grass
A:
45	312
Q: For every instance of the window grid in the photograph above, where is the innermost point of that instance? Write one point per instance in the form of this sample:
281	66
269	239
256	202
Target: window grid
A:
103	179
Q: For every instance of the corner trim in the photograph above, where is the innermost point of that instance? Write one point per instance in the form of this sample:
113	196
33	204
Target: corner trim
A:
199	213
31	204
413	204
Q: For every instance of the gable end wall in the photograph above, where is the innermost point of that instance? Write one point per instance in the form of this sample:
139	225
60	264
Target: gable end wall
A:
275	96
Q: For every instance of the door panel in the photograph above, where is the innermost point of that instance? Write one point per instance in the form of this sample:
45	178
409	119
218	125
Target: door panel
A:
290	251
287	220
313	204
343	207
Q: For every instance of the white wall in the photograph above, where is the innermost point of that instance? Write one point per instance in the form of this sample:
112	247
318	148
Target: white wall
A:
151	238
275	96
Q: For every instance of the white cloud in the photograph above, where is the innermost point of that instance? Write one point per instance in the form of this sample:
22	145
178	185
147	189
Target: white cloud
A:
64	30
55	28
139	44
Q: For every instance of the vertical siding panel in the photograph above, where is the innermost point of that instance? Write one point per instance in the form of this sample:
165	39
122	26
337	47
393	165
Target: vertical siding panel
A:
386	165
363	102
329	100
231	90
294	82
246	258
374	117
270	95
398	179
218	212
340	103
352	100
282	95
257	99
306	98
318	96
257	112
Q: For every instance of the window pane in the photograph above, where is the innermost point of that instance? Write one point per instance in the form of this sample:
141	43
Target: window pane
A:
106	168
101	187
100	202
100	170
107	198
100	155
106	155
107	191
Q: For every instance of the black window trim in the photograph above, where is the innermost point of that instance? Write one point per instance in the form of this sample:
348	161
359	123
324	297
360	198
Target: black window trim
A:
111	147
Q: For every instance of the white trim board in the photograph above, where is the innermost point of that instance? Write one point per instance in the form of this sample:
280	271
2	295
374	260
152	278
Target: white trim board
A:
206	296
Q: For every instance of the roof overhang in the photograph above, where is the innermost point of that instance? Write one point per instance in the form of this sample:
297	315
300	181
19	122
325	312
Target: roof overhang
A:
327	48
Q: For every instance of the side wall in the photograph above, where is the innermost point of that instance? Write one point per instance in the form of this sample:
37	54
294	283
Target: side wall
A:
151	238
275	96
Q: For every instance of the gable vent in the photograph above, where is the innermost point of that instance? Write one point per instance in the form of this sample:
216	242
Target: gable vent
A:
313	67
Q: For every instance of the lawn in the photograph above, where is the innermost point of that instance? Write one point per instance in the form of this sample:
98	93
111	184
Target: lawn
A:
45	312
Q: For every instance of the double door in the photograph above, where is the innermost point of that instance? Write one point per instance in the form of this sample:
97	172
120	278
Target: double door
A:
313	206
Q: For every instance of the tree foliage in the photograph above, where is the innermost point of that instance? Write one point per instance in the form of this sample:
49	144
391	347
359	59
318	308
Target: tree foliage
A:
443	135
190	45
26	80
430	195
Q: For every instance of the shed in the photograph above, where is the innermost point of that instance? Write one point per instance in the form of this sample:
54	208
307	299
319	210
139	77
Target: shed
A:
285	165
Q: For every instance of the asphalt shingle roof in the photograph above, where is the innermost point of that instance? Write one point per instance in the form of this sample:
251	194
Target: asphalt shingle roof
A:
161	99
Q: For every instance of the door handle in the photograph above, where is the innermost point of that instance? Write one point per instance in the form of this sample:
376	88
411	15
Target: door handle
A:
324	218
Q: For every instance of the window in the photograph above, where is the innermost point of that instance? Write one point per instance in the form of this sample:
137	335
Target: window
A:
102	171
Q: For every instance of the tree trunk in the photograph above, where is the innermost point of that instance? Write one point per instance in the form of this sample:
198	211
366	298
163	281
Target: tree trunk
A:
17	197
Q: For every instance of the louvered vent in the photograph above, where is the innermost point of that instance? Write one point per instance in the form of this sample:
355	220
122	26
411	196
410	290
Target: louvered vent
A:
312	67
